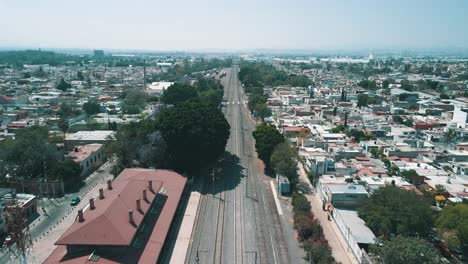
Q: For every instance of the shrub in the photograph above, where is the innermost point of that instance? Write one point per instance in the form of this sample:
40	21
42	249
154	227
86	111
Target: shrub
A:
300	203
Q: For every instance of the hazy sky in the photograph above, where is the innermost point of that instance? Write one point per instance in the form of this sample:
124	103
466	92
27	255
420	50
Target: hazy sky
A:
233	24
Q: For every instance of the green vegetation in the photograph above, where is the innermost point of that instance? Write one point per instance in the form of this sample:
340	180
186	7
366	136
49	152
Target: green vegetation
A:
35	57
310	232
31	153
394	211
91	107
138	144
449	136
191	68
196	134
63	85
366	84
134	102
263	74
402	249
266	138
178	93
453	224
284	161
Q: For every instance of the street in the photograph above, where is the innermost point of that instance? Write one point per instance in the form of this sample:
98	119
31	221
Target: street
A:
237	220
58	216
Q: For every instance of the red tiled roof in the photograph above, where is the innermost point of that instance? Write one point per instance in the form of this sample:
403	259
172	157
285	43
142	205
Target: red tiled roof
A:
108	224
292	129
5	100
83	152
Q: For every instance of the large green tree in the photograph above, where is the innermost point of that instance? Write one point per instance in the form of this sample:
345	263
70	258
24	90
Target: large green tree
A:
454	218
405	250
29	153
179	93
196	134
91	107
284	161
266	138
213	97
391	210
63	85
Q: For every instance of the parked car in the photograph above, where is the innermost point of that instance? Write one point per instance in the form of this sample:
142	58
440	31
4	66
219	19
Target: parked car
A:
8	241
75	201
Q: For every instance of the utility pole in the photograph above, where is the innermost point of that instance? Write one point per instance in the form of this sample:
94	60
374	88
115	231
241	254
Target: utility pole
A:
19	235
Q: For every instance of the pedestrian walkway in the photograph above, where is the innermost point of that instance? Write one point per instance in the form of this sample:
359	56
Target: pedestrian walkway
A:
332	233
186	228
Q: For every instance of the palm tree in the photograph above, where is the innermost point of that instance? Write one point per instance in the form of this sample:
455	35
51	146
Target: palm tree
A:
449	136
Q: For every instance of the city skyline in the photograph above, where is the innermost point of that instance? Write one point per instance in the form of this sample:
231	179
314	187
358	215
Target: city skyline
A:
228	25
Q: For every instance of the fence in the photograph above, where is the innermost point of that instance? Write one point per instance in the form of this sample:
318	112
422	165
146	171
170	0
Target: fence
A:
39	187
353	246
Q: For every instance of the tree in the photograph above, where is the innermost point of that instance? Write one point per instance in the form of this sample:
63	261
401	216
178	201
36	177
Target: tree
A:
454	218
65	110
134	102
391	210
196	134
449	136
213	97
405	250
63	124
266	138
300	204
80	76
440	189
444	96
338	129
63	85
397	119
178	93
91	107
138	143
362	100
406	85
29	153
385	84
346	119
256	99
284	161
67	169
262	111
409	174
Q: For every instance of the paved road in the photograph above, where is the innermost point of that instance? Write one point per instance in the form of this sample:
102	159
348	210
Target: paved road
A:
237	221
50	225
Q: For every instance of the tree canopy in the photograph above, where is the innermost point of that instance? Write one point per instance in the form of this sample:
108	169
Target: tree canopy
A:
196	134
405	250
455	218
266	138
91	107
283	161
178	93
63	85
391	210
259	74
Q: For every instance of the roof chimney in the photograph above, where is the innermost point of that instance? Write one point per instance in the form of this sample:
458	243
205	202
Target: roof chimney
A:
101	193
109	185
130	216
80	215
76	149
138	204
150	185
145	197
91	204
